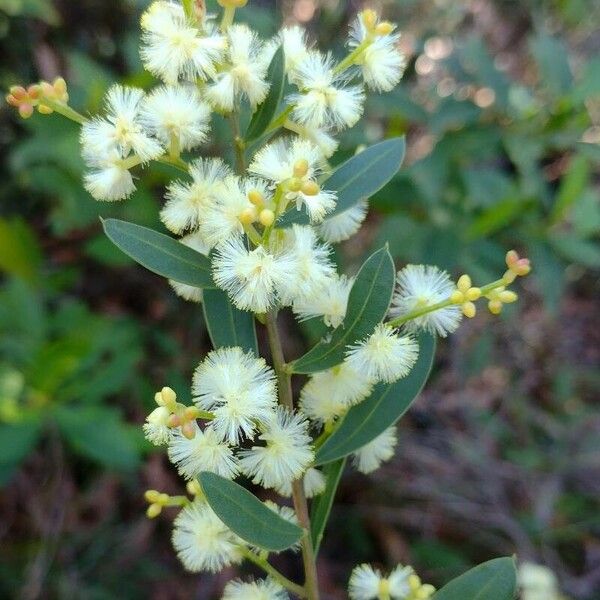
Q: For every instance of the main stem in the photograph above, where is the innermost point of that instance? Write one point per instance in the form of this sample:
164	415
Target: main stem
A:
311	583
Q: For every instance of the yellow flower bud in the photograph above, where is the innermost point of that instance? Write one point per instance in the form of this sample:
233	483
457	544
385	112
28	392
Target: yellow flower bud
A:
295	184
256	198
311	188
248	216
369	19
464	283
457	297
507	296
469	310
151	496
495	307
169	398
473	294
153	511
509	277
174	421
163	499
301	168
193	488
384	28
266	217
414	581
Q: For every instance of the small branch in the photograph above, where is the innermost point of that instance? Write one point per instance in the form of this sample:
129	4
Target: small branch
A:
284	382
274	573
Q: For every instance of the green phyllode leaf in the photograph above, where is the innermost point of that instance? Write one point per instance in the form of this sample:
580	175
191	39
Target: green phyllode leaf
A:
160	253
368	304
227	325
358	178
388	402
246	515
262	117
492	580
321	505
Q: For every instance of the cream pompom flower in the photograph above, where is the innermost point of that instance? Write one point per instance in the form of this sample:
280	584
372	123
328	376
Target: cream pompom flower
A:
369	458
242	73
324	97
328	394
203	452
173	48
313	482
381	63
312	266
156	430
202	541
330	301
295	164
343	225
265	589
286	454
367	583
176	115
107	178
122	130
423	286
238	388
184	290
251	277
231	209
384	355
187	202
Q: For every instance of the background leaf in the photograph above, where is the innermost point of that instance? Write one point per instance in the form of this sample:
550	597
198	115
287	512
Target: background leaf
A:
246	515
492	580
160	253
368	304
388	402
227	325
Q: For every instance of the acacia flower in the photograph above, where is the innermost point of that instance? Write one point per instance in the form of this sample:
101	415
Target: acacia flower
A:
286	454
295	164
324	98
205	451
202	541
423	286
312	267
343	225
367	583
122	130
313	482
173	48
251	277
238	388
242	73
176	115
156	429
381	62
265	589
187	202
328	301
328	394
108	179
384	355
369	457
231	209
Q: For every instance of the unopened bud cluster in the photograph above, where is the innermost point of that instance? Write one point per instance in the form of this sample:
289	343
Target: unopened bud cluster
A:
37	95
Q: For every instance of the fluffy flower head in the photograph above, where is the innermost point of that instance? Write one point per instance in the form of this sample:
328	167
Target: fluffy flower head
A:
420	286
370	456
202	541
238	388
184	290
266	589
286	454
329	301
